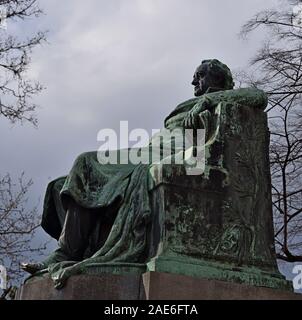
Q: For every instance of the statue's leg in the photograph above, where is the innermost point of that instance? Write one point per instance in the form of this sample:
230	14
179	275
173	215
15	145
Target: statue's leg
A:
78	225
74	239
102	227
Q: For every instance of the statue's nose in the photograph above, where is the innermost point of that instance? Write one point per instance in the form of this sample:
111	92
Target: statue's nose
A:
194	82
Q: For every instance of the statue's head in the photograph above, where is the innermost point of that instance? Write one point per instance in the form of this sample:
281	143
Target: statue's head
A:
212	74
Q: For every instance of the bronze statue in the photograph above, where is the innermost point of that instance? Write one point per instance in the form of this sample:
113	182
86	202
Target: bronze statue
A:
103	216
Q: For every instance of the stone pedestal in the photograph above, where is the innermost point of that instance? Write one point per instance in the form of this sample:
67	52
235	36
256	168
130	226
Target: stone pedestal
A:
149	286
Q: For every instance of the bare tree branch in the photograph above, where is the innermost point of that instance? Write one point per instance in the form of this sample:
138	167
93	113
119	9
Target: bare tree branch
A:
16	89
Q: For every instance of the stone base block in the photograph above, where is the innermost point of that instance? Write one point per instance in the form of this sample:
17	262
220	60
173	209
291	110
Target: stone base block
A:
85	287
166	286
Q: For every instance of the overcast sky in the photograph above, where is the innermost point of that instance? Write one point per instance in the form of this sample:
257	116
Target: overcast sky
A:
108	61
117	60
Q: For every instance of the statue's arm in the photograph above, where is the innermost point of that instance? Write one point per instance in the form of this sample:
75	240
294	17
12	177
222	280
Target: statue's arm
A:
249	97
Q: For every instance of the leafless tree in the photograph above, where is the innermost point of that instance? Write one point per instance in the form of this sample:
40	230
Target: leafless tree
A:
18	224
277	69
16	89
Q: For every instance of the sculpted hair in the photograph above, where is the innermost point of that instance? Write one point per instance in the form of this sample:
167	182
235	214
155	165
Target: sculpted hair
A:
221	72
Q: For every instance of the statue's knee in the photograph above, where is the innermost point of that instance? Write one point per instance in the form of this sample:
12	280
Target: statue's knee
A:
86	156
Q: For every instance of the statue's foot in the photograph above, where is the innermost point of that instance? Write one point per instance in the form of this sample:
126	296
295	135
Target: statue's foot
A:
57	256
32	268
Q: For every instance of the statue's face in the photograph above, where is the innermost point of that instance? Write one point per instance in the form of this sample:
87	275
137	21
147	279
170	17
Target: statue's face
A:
202	80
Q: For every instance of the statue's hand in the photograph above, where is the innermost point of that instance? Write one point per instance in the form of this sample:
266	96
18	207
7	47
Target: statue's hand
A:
61	274
60	281
192	119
